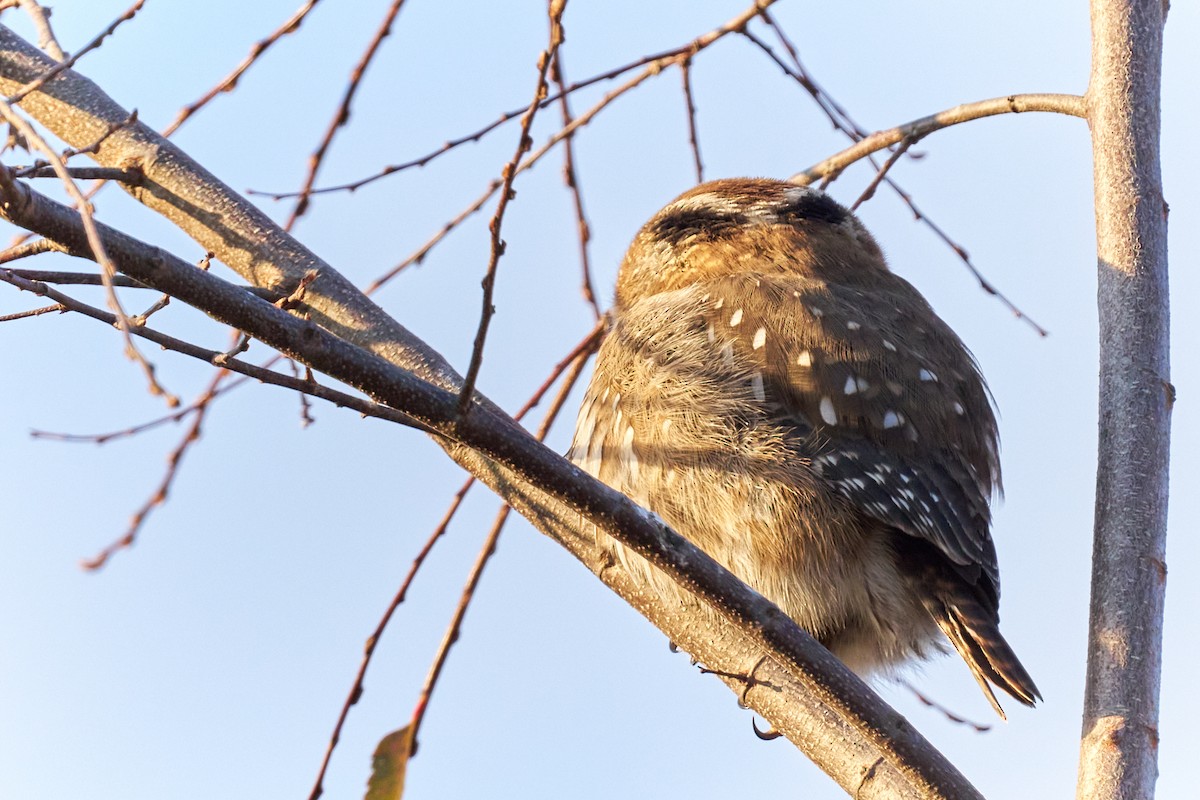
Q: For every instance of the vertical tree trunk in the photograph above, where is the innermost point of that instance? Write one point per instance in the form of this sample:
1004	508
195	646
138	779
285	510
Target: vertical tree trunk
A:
1118	757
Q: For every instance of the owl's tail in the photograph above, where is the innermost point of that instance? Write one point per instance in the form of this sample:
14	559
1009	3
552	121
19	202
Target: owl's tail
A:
972	629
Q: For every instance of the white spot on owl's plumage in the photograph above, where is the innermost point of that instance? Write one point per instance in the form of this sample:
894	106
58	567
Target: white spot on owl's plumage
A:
628	458
851	385
804	359
719	304
958	409
827	411
888	345
760	338
926	375
735	319
893	419
853	325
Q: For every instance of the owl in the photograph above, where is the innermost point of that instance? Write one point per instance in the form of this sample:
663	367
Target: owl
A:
779	397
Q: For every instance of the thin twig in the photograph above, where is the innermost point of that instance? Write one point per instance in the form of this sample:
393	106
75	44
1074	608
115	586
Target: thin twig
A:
356	689
929	702
1069	104
838	116
961	252
485	553
419	255
584	350
87	278
33	312
133	430
159	495
27	249
64	64
132	177
306	417
508	174
342	115
882	172
685	70
229	82
571	179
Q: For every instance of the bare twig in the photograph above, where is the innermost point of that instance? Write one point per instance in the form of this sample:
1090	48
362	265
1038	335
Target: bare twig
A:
842	121
133	430
34	248
229	82
508	174
685	70
65	64
132	177
356	689
419	255
199	408
33	312
485	553
882	172
342	115
571	179
929	702
306	417
1069	104
837	115
159	495
86	278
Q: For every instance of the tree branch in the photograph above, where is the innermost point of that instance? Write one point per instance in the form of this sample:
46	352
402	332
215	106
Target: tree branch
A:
1069	104
1119	751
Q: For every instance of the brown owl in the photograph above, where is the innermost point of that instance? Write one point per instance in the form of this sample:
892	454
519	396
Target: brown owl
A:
778	396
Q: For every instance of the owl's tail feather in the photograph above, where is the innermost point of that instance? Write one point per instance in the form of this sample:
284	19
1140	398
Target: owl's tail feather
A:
973	631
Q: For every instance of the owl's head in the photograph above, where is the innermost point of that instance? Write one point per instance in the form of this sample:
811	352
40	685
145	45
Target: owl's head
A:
741	225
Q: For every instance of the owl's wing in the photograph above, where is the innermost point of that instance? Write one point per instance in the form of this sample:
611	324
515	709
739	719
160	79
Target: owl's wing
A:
886	403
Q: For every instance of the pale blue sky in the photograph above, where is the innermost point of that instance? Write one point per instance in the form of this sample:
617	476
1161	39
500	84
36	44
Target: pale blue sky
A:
211	659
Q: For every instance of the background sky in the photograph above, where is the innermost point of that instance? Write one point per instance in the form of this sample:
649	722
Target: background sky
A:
211	659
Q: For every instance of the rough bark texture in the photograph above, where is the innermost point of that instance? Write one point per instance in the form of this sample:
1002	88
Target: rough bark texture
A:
1118	757
804	692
